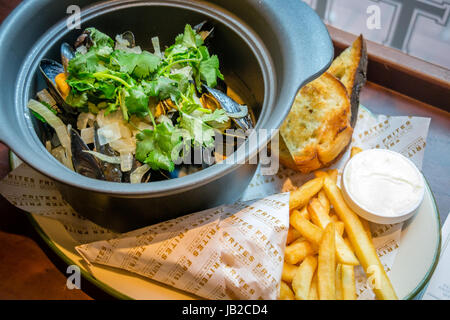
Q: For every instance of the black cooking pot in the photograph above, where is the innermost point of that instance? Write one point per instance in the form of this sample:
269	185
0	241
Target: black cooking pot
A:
269	48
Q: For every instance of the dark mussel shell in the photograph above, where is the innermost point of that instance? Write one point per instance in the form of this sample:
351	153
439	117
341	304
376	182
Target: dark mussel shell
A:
126	176
231	106
84	39
50	69
129	36
221	85
111	171
67	54
84	163
205	29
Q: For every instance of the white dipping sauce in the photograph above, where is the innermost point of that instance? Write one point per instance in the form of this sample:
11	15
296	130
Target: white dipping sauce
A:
384	182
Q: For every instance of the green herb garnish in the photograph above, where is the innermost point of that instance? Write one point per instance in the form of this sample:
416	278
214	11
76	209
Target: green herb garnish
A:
129	81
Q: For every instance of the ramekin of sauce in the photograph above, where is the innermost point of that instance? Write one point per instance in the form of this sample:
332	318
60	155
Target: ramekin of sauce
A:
382	186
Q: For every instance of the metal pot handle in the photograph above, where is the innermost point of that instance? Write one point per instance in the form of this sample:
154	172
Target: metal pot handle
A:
310	59
296	37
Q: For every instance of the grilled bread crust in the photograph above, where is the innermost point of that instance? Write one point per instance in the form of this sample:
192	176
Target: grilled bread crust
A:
317	129
350	67
319	126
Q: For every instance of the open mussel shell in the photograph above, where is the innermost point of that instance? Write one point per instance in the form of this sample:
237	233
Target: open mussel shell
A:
84	39
84	163
129	36
126	176
67	54
50	69
182	170
111	171
205	29
232	108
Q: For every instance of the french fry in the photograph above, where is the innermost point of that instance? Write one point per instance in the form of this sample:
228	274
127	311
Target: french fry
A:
305	213
286	292
324	201
361	243
303	277
338	279
288	272
292	235
366	227
320	174
300	197
355	151
297	251
319	214
326	270
349	244
340	227
333	174
348	282
344	253
313	294
320	218
334	218
308	230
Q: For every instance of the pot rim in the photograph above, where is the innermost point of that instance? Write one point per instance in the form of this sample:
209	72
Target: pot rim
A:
57	171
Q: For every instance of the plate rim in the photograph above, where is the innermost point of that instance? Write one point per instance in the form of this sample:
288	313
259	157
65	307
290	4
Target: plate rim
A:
430	271
414	293
85	274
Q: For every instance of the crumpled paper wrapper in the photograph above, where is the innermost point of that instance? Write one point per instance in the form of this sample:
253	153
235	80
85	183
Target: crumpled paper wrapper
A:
230	252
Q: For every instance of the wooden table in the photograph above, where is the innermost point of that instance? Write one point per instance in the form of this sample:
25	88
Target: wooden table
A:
30	270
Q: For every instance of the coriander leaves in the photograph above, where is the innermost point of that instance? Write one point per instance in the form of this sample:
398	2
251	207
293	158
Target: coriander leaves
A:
105	78
140	66
158	147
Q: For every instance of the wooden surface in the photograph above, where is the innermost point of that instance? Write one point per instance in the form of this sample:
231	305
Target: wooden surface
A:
30	270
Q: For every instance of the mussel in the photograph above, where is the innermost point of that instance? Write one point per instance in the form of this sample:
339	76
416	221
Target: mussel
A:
205	29
126	42
84	39
183	170
129	36
126	176
111	171
67	54
49	70
84	163
239	113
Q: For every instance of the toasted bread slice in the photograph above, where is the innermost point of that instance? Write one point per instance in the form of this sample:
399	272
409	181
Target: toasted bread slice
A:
350	67
318	127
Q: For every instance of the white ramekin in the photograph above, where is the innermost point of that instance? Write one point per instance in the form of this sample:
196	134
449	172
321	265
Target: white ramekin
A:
372	215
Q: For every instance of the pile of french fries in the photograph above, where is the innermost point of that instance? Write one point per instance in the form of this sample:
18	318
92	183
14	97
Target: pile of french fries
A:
326	240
